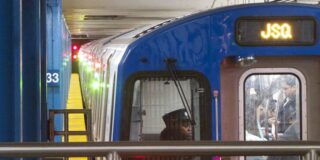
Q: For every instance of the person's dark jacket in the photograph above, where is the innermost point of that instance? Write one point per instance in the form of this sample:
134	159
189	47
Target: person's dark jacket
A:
286	115
170	134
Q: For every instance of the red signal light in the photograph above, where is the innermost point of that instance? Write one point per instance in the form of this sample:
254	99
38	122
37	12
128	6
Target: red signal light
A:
75	57
75	47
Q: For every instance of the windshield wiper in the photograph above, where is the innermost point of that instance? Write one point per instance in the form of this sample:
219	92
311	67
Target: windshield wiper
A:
173	72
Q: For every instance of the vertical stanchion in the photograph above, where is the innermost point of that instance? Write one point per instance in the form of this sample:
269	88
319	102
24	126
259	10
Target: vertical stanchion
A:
312	155
66	126
306	156
51	125
43	70
215	95
88	125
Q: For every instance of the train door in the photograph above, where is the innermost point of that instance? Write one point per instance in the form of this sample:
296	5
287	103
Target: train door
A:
260	103
271	106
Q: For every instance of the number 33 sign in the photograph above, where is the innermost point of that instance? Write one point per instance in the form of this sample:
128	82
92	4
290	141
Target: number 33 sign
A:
53	78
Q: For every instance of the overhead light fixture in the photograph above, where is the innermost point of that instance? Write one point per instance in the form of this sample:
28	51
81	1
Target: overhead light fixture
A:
103	17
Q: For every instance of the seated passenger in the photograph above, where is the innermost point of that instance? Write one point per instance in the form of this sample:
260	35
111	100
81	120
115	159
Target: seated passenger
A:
178	126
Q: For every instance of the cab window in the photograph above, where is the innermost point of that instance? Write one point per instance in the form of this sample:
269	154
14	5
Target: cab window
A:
158	112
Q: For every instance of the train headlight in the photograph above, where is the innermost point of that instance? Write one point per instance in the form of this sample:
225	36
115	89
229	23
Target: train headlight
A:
245	61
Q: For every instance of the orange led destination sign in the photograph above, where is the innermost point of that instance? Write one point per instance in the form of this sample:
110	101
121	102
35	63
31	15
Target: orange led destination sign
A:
275	31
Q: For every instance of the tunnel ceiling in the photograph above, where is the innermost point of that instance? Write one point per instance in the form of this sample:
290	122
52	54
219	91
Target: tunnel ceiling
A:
100	18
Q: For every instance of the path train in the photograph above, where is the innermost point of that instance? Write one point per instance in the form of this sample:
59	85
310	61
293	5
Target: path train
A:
247	72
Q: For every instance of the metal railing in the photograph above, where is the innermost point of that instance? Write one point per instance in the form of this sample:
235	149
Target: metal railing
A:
65	132
308	150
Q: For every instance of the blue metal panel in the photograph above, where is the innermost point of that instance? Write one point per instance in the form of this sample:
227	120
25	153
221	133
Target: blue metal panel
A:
6	70
53	18
54	49
66	62
31	70
44	109
200	42
17	70
20	111
59	54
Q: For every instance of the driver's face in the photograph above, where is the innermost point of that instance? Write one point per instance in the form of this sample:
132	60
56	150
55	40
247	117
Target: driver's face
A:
186	130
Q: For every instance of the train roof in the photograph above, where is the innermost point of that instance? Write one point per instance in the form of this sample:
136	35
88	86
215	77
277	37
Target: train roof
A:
137	35
143	31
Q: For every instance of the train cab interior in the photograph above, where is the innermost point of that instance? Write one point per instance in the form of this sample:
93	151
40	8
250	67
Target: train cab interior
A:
155	95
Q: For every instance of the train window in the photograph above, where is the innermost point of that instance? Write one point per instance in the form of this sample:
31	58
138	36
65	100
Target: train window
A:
153	100
158	113
272	108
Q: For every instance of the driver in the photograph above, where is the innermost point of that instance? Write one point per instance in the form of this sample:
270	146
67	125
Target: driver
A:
178	126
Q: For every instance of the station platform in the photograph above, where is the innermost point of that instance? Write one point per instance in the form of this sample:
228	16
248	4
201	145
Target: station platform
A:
76	120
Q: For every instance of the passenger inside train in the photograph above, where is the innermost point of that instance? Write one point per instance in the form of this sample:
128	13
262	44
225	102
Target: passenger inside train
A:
273	99
287	111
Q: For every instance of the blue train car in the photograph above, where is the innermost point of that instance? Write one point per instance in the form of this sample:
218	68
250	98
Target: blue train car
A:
247	72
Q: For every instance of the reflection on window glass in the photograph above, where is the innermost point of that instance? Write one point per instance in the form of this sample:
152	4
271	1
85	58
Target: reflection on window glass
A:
272	107
158	113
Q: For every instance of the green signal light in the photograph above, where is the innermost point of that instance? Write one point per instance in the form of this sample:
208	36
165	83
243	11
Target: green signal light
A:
96	75
89	69
95	85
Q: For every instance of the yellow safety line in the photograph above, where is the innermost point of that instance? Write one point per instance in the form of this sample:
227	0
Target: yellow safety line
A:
76	120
